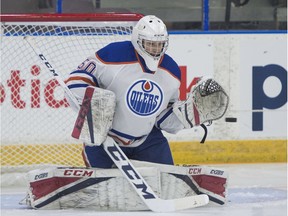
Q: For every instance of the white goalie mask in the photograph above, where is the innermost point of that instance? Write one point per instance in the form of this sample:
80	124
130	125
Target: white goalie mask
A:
150	39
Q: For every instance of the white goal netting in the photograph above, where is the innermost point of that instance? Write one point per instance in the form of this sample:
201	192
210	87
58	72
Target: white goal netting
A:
36	121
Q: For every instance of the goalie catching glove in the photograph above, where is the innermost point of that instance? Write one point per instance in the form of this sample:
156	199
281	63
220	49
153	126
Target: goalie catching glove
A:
206	102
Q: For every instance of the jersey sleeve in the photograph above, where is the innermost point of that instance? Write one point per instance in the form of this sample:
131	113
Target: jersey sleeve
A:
168	121
84	75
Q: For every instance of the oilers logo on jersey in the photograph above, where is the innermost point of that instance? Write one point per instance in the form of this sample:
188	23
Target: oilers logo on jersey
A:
144	97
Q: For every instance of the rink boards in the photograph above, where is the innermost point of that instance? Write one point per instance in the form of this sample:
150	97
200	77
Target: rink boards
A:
185	152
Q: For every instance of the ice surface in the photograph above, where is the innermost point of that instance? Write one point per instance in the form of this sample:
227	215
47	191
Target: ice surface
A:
254	190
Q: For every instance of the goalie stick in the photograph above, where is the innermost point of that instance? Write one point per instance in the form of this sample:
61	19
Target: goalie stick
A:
52	71
148	196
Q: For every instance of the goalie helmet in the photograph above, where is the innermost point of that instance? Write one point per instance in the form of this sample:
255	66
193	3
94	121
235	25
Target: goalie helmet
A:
150	39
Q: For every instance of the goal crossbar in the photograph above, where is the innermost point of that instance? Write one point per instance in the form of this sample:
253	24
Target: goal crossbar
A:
79	17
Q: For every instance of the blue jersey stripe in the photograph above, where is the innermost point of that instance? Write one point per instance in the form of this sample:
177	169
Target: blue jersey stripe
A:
88	74
120	52
77	86
125	135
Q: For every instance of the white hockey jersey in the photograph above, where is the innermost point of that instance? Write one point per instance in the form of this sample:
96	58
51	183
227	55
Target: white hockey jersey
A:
141	95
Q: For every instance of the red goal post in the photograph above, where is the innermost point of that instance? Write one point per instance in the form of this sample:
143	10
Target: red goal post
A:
36	120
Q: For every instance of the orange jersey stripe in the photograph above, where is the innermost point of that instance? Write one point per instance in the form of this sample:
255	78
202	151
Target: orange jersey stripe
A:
114	63
82	79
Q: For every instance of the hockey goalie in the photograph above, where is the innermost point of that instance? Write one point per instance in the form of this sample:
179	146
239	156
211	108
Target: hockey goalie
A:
128	92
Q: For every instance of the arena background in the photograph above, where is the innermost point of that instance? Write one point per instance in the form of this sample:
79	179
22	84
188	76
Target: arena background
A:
243	46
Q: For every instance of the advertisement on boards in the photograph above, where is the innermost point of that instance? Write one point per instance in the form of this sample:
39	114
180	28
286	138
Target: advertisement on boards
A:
263	86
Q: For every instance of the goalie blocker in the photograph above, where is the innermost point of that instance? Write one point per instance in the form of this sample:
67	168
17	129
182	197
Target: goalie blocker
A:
107	189
95	116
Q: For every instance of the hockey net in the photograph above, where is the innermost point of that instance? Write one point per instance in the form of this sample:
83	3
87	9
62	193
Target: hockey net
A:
36	120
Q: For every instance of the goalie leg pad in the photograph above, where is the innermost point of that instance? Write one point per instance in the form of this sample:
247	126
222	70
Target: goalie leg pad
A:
200	179
97	189
107	189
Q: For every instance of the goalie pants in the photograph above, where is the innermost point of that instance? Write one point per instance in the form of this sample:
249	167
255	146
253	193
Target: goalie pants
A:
154	149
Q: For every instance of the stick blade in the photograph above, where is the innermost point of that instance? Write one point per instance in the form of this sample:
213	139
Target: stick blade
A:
160	205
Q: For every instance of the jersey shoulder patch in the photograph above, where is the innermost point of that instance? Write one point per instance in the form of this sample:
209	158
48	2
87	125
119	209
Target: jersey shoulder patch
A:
170	66
117	53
